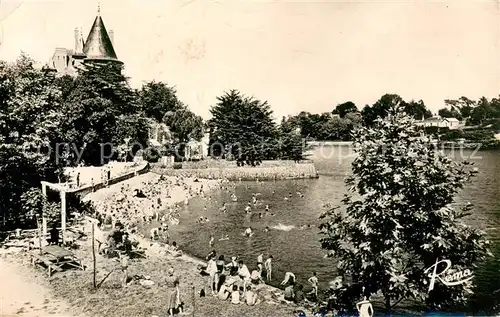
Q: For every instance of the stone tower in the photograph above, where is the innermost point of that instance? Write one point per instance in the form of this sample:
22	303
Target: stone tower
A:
97	48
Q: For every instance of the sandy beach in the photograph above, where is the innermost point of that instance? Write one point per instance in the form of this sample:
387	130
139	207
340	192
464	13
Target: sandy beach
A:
24	293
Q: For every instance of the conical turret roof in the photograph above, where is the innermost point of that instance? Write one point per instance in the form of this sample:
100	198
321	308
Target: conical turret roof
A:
98	45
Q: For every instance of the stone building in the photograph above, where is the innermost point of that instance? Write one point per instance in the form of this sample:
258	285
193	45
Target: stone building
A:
98	47
440	122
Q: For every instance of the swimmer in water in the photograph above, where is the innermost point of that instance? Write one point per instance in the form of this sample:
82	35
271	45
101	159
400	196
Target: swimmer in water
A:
266	229
206	219
267	207
205	209
200	220
224	238
211	242
260	215
248	209
248	232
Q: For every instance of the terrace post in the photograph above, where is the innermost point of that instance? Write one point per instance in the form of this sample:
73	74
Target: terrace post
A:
63	215
44	217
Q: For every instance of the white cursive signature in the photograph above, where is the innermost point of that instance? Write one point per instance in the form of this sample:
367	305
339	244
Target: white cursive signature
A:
457	278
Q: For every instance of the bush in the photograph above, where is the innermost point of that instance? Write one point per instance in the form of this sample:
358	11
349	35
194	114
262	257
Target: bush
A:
152	154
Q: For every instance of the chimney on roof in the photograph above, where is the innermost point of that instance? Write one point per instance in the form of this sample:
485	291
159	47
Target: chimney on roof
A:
111	34
77	38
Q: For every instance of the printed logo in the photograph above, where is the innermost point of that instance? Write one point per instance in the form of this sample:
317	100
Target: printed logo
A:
448	278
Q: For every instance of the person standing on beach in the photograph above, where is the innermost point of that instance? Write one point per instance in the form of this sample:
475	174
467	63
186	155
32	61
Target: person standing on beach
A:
212	271
260	262
314	283
174	303
124	267
244	273
269	268
365	308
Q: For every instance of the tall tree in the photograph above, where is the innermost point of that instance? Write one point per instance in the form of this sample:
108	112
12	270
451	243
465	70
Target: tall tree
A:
29	128
157	98
243	126
345	108
399	217
417	110
99	102
449	113
380	109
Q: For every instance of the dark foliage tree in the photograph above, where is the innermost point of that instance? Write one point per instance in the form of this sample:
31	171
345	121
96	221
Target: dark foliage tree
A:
184	126
416	109
243	126
157	99
380	109
449	113
345	108
399	217
98	110
29	127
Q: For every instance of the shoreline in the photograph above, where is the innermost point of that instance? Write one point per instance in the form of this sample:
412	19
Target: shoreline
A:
155	250
231	172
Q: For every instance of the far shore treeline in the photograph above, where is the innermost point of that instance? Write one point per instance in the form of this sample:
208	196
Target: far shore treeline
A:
40	111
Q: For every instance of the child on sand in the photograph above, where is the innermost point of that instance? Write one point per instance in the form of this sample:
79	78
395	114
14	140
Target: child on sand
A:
251	298
124	266
235	295
174	304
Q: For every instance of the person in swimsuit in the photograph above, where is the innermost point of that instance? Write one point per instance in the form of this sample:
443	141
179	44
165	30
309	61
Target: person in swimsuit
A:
268	267
260	262
124	267
365	308
288	276
314	283
248	232
220	270
233	266
212	271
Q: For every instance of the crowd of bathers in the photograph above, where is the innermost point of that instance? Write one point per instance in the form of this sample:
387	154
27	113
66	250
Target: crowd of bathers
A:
235	282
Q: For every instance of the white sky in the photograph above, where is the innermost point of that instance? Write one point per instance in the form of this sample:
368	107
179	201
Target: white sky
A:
297	55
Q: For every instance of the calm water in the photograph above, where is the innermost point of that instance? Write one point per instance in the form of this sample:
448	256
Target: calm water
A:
298	249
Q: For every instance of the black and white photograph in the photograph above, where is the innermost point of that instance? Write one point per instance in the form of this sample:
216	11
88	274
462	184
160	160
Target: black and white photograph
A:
296	158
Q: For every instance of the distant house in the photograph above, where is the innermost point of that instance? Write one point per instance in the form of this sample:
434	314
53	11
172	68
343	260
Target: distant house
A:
159	134
197	150
438	121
